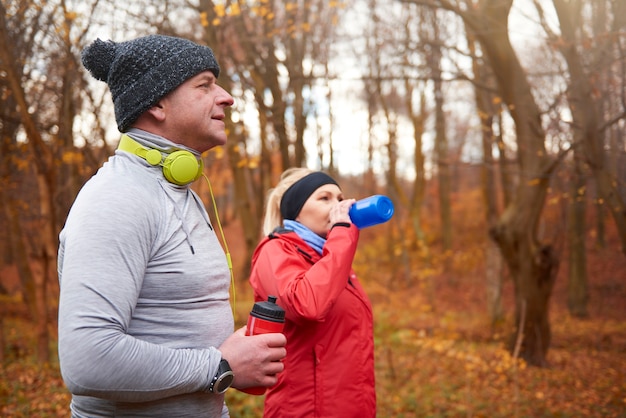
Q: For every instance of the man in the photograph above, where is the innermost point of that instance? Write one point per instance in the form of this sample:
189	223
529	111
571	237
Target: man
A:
145	324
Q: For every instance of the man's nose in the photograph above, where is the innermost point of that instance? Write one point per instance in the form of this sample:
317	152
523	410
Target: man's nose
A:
225	99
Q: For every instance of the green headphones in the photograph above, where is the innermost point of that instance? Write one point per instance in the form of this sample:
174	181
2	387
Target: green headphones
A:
179	167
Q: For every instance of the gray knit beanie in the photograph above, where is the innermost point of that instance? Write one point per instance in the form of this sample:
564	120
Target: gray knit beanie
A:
141	71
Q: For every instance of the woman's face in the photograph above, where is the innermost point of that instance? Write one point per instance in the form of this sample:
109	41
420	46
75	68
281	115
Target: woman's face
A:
315	213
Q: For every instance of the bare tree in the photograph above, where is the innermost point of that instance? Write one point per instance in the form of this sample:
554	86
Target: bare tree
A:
417	113
33	43
393	95
589	122
577	287
274	52
489	113
434	65
532	263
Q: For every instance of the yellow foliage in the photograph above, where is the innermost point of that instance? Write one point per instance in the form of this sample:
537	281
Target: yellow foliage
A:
235	10
72	157
220	10
554	200
218	152
22	164
254	162
204	20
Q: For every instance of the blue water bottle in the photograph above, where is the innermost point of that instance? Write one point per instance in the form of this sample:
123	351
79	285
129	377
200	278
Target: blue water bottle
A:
370	211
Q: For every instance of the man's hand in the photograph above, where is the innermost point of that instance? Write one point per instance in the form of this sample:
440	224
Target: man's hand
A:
255	359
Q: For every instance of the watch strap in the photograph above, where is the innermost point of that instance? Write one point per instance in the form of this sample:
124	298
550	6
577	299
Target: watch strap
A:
223	378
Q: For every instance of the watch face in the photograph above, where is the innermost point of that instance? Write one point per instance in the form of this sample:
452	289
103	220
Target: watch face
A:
223	379
224	382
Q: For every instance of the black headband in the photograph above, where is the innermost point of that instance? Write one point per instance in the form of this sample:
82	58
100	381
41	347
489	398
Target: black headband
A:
299	192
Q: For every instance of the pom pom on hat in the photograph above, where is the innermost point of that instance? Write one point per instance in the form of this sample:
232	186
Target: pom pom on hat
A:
141	71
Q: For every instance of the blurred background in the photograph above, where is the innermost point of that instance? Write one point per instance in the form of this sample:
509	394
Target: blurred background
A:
497	127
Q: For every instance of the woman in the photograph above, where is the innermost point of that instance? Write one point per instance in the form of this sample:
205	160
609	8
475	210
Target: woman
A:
305	260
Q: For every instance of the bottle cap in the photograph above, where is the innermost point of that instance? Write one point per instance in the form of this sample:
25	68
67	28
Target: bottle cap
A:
268	310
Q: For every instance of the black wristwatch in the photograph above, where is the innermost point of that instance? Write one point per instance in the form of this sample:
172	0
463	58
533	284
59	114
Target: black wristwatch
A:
223	378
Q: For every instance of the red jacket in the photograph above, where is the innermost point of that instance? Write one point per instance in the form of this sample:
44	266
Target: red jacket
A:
329	368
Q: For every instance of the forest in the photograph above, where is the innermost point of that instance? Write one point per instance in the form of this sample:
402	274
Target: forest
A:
496	127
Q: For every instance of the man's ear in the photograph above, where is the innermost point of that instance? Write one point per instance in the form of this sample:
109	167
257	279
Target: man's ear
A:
157	111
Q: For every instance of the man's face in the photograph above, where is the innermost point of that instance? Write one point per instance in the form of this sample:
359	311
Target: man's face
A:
194	112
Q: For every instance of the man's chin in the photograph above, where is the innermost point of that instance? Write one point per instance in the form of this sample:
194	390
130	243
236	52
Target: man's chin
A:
212	143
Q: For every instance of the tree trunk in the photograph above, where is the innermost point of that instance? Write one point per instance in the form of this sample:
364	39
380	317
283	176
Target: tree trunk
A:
532	264
600	229
32	280
298	80
45	169
493	258
441	145
243	206
225	42
577	294
486	112
419	184
587	117
46	259
493	282
533	267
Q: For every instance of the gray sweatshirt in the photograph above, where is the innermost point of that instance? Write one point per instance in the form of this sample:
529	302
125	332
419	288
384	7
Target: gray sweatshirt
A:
144	295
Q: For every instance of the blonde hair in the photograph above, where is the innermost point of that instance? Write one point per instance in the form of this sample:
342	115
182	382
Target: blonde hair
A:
273	218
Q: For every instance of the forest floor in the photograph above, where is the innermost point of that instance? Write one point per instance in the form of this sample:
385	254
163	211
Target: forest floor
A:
437	355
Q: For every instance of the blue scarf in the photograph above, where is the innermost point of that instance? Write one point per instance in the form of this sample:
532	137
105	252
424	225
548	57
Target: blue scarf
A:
315	241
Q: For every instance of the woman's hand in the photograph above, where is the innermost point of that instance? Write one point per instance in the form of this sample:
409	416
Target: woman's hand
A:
339	212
